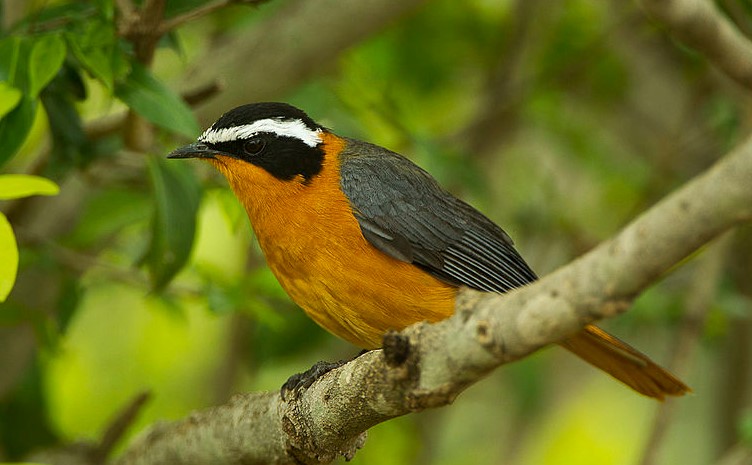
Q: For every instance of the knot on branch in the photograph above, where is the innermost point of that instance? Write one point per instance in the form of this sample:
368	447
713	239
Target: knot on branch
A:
396	349
302	436
439	396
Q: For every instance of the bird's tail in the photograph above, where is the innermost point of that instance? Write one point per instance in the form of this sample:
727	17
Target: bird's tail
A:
624	363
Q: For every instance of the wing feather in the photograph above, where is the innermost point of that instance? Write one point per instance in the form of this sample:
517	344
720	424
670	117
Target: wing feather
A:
403	212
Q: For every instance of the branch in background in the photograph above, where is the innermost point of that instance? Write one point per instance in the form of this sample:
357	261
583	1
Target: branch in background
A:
235	358
298	40
140	28
203	10
740	454
488	330
90	453
507	85
125	7
700	24
702	293
13	12
734	386
203	93
733	394
738	14
121	424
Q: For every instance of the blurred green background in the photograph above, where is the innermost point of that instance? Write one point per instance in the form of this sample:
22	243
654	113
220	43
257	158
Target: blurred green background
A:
559	120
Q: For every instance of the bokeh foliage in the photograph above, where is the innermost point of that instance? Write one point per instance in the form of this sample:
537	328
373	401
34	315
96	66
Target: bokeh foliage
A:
560	120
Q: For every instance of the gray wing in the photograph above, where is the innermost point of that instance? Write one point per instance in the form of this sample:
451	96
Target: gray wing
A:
403	212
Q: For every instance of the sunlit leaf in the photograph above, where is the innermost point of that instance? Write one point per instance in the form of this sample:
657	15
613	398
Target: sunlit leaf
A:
156	102
47	55
8	258
14	186
9	98
14	127
177	195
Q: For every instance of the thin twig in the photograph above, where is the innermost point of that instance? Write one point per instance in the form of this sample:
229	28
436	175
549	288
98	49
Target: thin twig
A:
197	96
92	453
121	423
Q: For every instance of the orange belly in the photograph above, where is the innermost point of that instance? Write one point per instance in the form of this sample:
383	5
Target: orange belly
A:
355	291
313	245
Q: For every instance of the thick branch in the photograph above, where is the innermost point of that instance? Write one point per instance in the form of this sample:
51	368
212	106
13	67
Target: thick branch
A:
700	24
488	330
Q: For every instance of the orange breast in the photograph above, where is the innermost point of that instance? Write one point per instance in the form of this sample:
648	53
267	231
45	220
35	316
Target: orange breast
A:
313	245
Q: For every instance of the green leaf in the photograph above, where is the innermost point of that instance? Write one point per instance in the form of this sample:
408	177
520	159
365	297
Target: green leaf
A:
95	46
177	195
9	98
70	146
14	62
106	8
14	186
9	54
107	212
156	102
47	55
8	258
15	126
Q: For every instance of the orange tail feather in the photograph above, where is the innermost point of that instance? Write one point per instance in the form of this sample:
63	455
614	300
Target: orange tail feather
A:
624	363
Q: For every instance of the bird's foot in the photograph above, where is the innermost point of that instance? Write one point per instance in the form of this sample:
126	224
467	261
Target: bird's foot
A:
301	381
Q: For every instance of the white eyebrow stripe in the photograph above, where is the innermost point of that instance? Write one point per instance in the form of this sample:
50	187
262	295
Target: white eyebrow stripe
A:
284	128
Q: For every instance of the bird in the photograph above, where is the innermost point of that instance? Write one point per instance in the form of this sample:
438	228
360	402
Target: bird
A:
366	242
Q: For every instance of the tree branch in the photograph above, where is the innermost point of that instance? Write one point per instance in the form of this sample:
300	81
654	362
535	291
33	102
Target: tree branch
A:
95	453
125	7
288	47
740	454
203	10
488	330
700	24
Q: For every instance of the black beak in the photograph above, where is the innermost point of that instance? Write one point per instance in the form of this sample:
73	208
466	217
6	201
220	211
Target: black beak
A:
195	150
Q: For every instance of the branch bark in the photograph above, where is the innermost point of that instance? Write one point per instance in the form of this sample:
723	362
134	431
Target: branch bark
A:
488	330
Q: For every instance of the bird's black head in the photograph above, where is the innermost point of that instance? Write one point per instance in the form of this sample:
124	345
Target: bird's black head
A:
277	137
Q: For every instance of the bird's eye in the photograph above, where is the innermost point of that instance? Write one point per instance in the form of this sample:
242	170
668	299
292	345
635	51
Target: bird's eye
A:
253	146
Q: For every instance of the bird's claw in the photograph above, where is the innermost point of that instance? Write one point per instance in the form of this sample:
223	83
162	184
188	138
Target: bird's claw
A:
301	381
